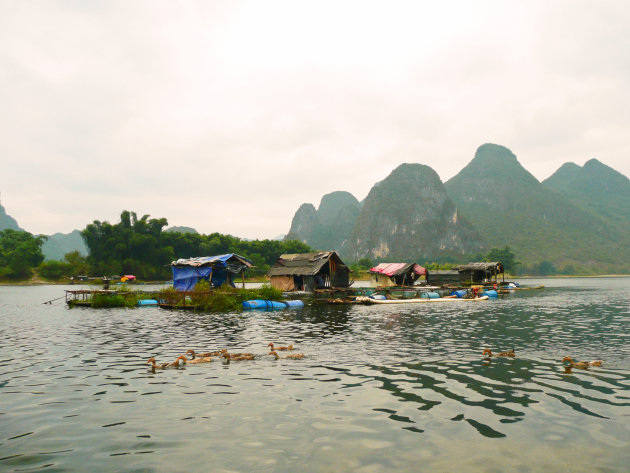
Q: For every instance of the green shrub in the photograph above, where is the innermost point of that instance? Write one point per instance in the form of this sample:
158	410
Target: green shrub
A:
223	299
103	300
54	270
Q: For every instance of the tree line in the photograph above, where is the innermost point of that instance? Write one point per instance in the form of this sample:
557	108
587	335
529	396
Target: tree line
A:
135	245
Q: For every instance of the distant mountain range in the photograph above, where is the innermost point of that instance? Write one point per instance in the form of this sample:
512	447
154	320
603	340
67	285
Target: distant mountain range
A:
181	230
579	218
56	246
6	221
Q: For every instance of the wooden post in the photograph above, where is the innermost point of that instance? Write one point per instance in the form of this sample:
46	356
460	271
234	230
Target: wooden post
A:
330	272
243	277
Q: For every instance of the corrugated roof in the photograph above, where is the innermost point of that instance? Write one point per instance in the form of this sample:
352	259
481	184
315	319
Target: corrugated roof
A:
395	269
200	261
302	264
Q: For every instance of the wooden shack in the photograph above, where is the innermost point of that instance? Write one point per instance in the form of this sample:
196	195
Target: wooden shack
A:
479	273
309	271
396	274
443	277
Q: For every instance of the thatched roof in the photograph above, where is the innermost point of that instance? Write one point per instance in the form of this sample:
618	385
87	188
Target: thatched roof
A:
483	266
304	264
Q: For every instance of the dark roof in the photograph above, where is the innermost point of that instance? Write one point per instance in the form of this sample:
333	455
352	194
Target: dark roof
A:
479	267
303	264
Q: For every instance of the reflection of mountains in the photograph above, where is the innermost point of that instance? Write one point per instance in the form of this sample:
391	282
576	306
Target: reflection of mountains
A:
503	387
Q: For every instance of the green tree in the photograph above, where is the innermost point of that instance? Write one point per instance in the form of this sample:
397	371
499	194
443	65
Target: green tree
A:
132	246
139	246
20	252
505	256
78	263
545	268
54	270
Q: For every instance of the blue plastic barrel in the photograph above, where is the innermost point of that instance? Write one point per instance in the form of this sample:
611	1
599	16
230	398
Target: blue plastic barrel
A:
378	297
430	295
459	293
294	304
491	293
147	302
264	304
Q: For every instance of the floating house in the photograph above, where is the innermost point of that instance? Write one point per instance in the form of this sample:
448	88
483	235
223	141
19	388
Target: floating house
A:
479	273
215	269
309	271
396	274
443	277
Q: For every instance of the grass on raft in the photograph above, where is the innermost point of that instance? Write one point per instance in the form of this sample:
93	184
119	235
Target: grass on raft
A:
222	299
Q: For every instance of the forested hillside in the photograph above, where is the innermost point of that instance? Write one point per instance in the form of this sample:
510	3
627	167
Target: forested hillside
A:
6	221
596	187
330	226
509	206
409	217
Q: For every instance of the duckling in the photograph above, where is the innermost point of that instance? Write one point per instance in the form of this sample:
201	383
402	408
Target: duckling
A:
204	359
271	347
509	353
194	355
295	356
583	365
237	356
240	355
155	366
162	366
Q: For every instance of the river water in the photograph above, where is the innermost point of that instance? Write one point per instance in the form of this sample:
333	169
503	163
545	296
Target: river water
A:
381	388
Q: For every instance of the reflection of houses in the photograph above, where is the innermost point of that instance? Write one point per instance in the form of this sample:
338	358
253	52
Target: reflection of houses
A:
215	269
479	273
308	271
396	274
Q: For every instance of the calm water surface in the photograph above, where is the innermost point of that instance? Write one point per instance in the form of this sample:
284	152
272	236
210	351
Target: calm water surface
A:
381	388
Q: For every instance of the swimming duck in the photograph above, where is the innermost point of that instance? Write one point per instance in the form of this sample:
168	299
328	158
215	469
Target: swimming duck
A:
509	353
194	355
583	365
161	366
155	366
271	347
204	359
237	356
295	356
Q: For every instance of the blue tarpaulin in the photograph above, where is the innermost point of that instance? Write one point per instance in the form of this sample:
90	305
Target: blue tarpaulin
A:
216	269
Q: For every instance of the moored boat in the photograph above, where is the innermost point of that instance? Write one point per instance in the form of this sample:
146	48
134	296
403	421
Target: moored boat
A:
370	300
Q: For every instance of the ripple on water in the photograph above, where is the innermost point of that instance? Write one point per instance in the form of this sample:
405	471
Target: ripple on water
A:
381	388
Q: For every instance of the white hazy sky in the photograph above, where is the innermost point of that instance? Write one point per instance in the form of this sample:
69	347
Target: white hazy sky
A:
227	115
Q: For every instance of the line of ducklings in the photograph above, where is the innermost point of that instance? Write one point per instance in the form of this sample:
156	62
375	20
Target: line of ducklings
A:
582	365
196	358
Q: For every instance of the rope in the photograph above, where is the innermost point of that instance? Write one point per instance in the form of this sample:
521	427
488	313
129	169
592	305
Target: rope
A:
48	302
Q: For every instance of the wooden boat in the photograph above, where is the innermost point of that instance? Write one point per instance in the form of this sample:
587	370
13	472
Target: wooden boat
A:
369	300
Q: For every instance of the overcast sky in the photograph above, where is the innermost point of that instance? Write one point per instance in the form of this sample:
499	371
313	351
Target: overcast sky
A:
226	116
